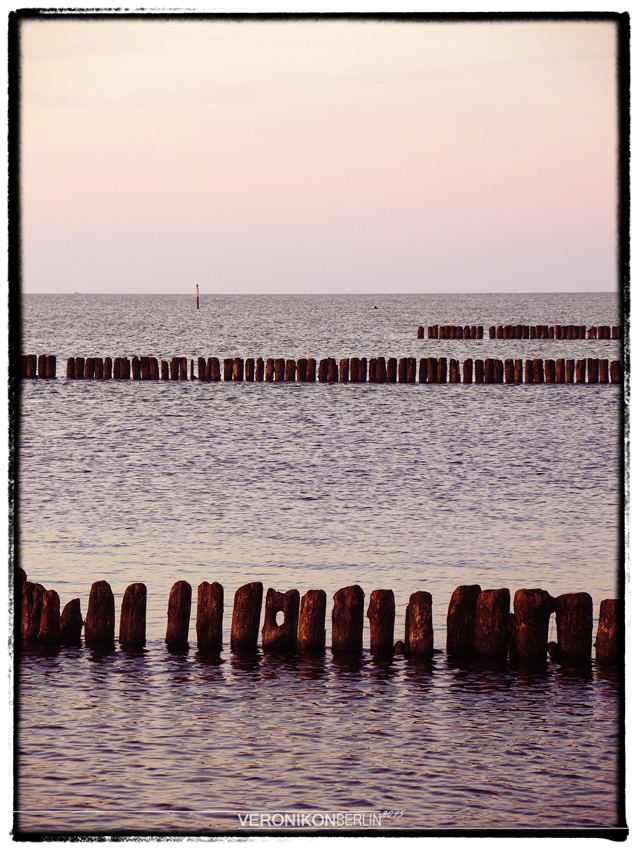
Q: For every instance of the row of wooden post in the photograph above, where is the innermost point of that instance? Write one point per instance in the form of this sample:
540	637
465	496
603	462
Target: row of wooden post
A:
521	332
479	622
431	370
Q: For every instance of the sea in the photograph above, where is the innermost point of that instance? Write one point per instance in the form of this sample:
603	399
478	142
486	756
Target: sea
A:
405	487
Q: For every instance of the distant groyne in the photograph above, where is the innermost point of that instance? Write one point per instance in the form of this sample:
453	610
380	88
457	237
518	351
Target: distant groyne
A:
479	622
521	332
378	370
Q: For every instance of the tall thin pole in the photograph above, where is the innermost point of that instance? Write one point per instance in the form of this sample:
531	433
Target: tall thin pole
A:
197	286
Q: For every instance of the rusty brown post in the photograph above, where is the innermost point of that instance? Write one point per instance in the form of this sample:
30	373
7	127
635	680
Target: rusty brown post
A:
518	371
333	370
135	368
492	332
174	369
99	628
347	620
574	625
246	613
441	371
228	368
344	370
419	635
70	367
479	374
607	636
560	371
153	368
435	331
473	331
492	617
210	610
192	369
98	368
145	369
455	376
201	370
489	370
31	610
51	366
592	370
461	620
323	370
312	622
302	366
569	371
280	369
259	369
432	370
391	370
499	335
498	371
49	631
363	369
380	612
270	369
615	371
238	369
468	367
529	371
79	367
603	371
281	638
380	371
423	370
133	616
539	375
164	366
581	371
402	371
250	368
509	371
42	366
420	332
71	624
550	372
354	370
291	368
532	610
178	615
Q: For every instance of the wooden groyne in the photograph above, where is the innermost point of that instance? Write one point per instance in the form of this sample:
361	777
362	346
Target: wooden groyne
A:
480	623
353	370
521	332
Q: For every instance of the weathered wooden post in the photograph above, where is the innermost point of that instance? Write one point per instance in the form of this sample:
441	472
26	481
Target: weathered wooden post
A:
498	371
71	624
592	370
518	371
347	620
539	375
153	368
183	368
411	370
98	368
455	376
499	335
291	368
118	368
31	610
312	622
402	371
302	366
525	332
430	332
519	331
603	371
492	332
435	331
70	367
323	370
441	371
178	615
466	332
473	331
509	371
607	636
228	368
174	368
532	610
281	638
615	371
344	370
215	370
259	369
125	369
423	370
419	635
479	373
280	369
391	370
210	611
201	370
79	367
51	366
333	370
532	332
135	368
89	368
581	372
238	369
145	369
380	371
42	366
489	370
461	620
492	617
99	628
468	367
380	612
550	372
192	369
602	332
420	332
560	370
133	616
49	631
270	369
529	371
569	371
164	366
354	370
250	368
574	626
432	369
246	612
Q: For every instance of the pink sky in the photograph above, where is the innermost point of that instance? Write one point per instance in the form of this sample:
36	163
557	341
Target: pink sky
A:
318	156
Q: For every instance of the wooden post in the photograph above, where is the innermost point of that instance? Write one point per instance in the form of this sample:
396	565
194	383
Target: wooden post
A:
71	624
22	366
529	371
291	368
419	635
347	620
174	368
479	374
441	371
183	369
468	366
607	637
98	368
391	370
145	369
461	620
381	615
246	612
354	370
49	631
250	368
333	370
466	332
281	638
280	369
455	376
201	369
525	332
363	370
135	368
51	366
133	616
420	332
479	332
323	370
592	370
569	371
435	331
603	371
498	371
615	371
423	370
532	332
42	366
403	370
509	371
70	367
344	369
269	374
380	371
574	625
31	610
430	336
312	622
550	372
550	332
302	366
518	371
473	331
411	364
164	370
489	370
259	369
125	368
432	370
79	367
560	371
582	331
118	368
519	331
210	610
499	335
602	332
153	368
539	375
179	614
491	628
238	369
492	332
228	368
215	370
99	628
532	609
192	369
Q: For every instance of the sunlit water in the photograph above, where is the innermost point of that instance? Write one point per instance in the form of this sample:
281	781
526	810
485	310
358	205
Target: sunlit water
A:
408	487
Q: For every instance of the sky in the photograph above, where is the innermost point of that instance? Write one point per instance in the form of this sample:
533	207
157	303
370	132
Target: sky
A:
317	156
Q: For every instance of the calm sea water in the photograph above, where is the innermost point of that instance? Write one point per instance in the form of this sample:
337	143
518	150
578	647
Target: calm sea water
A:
407	487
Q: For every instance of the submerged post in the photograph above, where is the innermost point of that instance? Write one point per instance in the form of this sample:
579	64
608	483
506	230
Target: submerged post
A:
246	612
491	628
133	616
281	638
419	634
49	631
210	610
532	610
607	637
574	626
347	620
31	610
71	624
99	628
178	615
381	615
461	620
312	622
